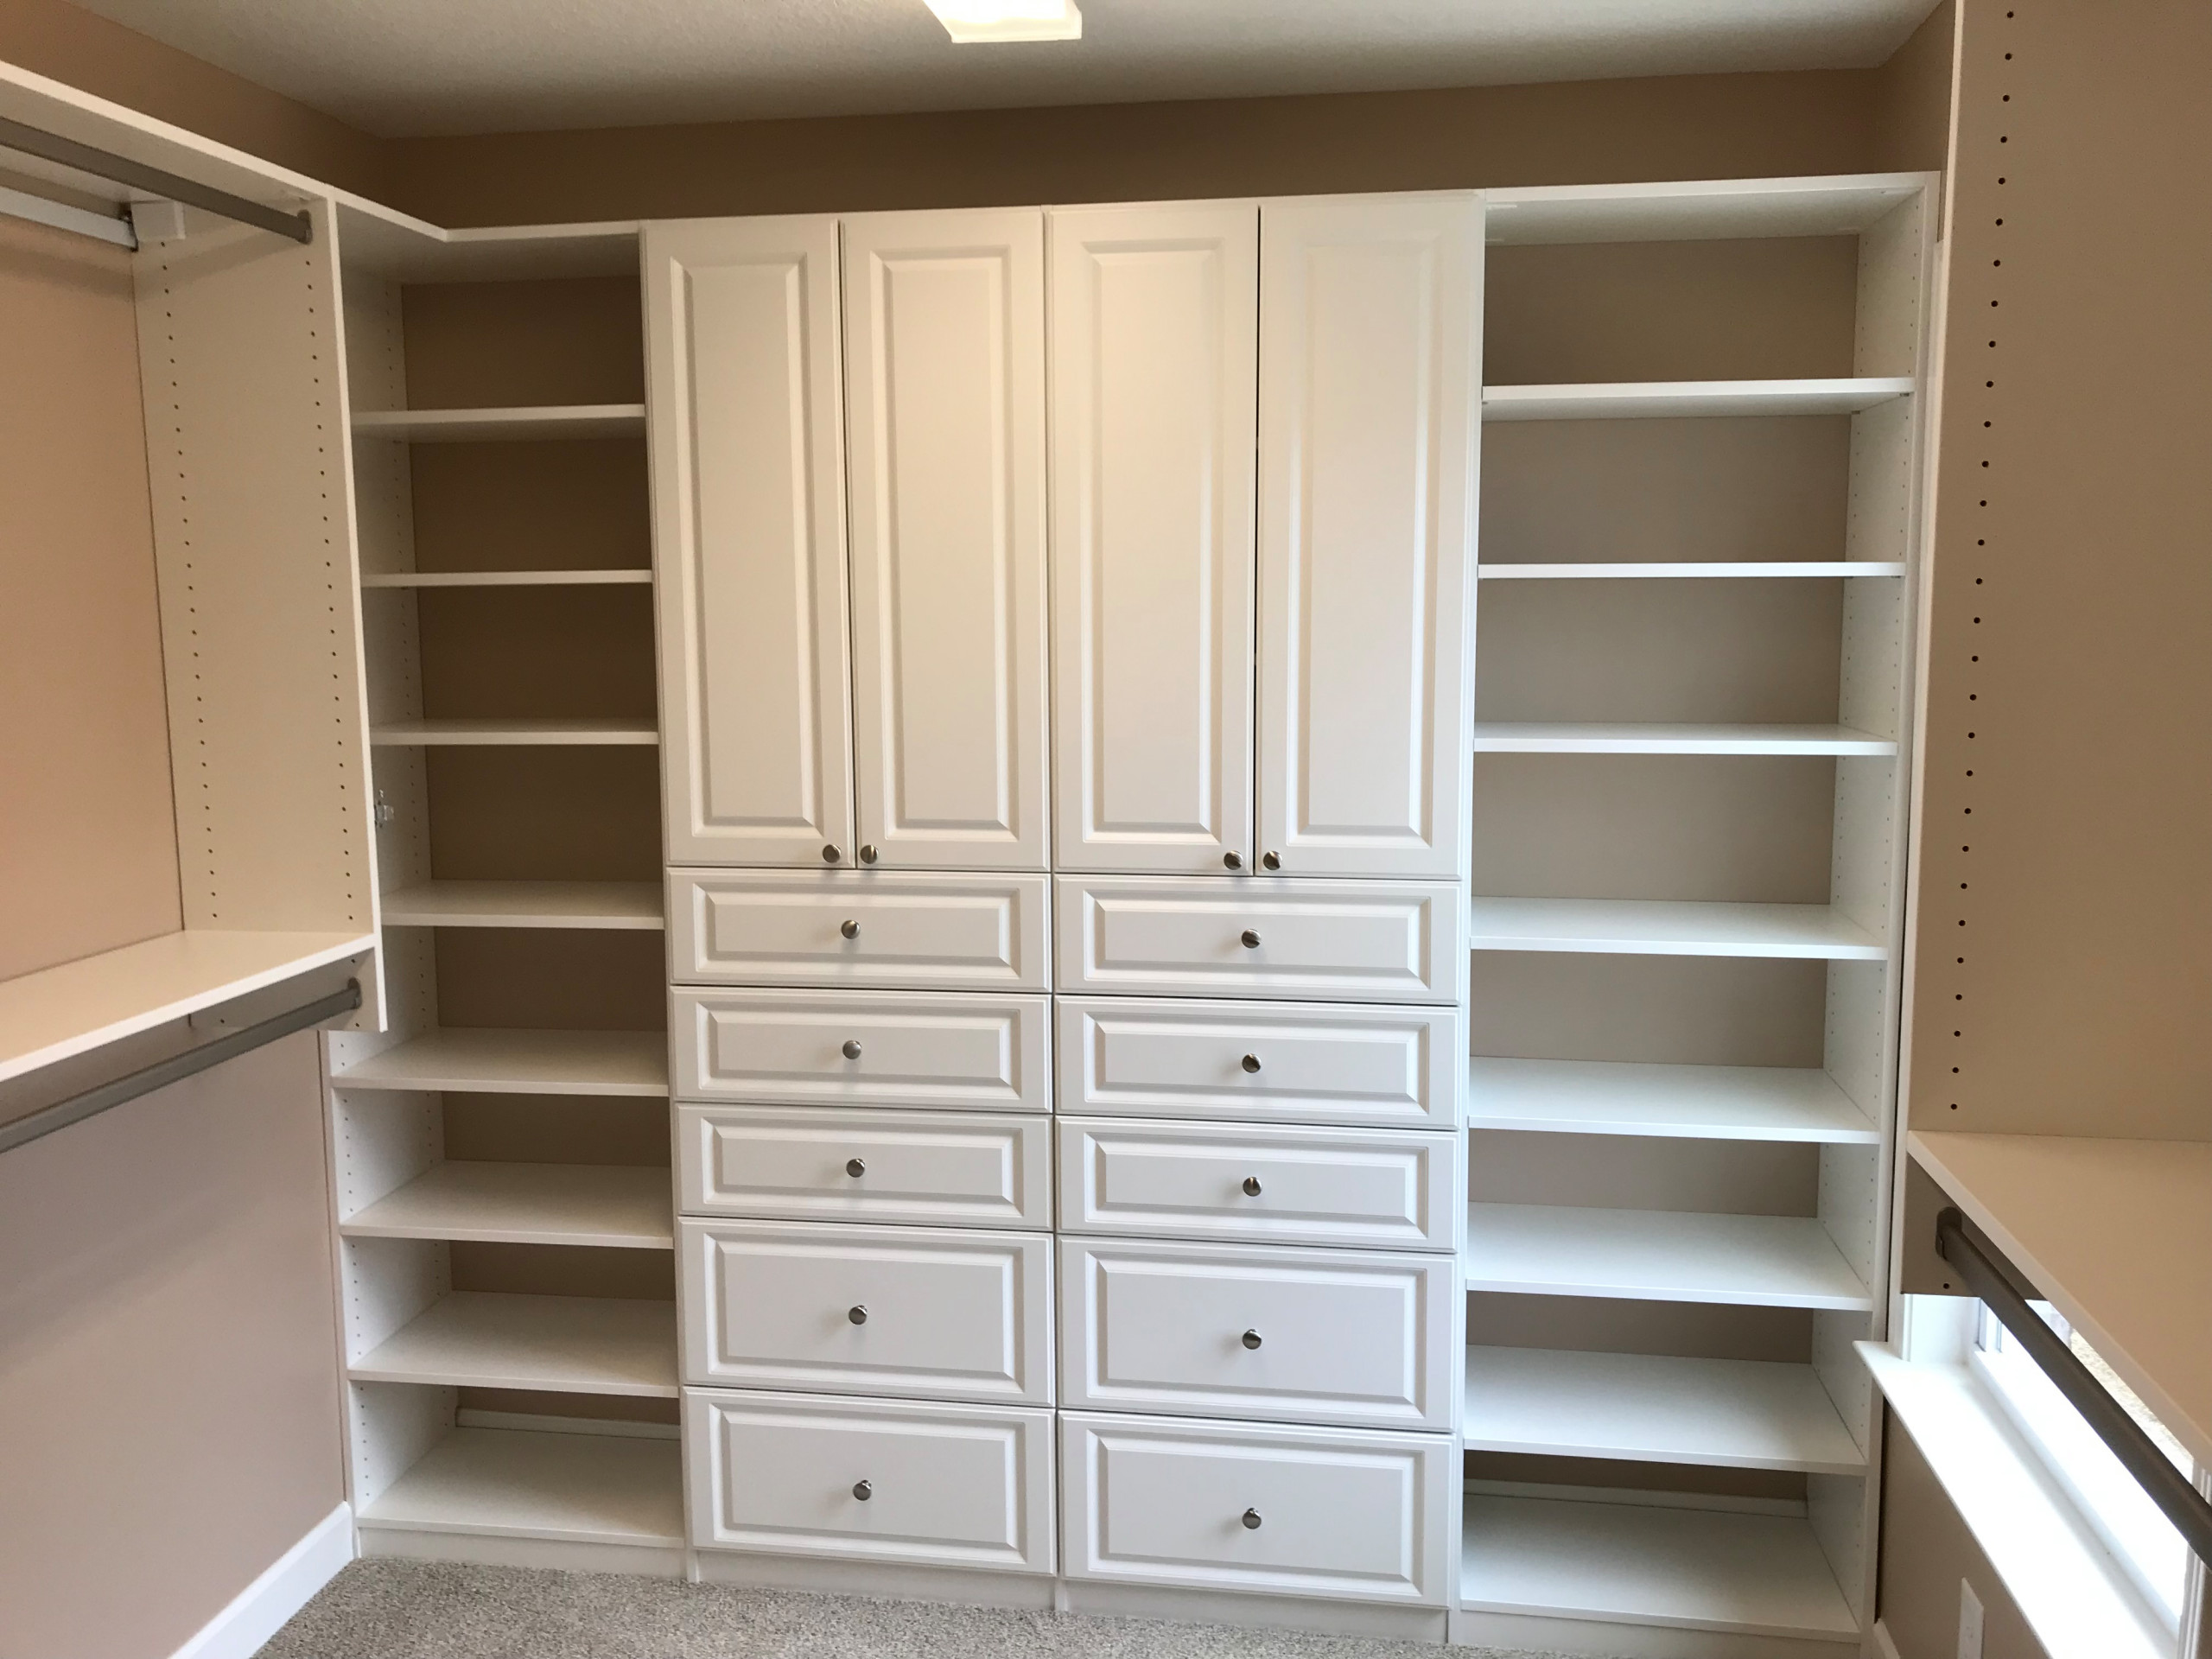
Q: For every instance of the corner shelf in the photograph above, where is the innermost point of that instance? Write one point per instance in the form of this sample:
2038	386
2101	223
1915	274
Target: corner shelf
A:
1656	927
1734	1413
592	1488
511	734
1705	1103
508	579
554	1344
1647	737
1680	570
1659	1256
599	1206
480	1060
495	425
526	903
1678	399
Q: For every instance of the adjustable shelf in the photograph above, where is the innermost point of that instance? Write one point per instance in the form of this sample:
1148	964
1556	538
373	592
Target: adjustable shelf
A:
1659	1256
1645	737
511	733
1732	1413
554	1344
1680	399
1690	1569
525	904
1715	210
1651	927
497	425
509	579
494	1062
590	1489
1705	1103
1662	570
606	1207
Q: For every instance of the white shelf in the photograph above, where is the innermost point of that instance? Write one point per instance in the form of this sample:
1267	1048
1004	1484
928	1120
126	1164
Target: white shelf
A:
1652	927
596	1206
1678	570
1679	399
525	904
592	1488
1659	1256
495	1062
1732	1414
466	425
509	733
1705	1102
1636	1564
1706	211
508	579
58	1012
555	1345
1651	737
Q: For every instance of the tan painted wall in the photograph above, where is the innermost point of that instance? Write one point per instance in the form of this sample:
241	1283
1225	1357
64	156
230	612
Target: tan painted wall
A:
1926	1552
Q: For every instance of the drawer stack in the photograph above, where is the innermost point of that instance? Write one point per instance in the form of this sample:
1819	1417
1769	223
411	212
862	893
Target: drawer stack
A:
1259	1177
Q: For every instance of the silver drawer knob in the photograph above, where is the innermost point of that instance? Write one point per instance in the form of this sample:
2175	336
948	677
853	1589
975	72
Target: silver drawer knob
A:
1252	1338
850	929
1234	860
830	855
852	1049
857	1314
867	852
856	1168
864	1489
1274	862
1251	1519
1251	1186
1251	1063
1251	939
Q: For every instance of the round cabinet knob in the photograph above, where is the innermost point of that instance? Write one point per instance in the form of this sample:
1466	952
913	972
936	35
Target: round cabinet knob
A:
1251	1519
1251	1063
1272	862
856	1168
868	852
1251	939
852	1048
856	1313
1233	860
1252	1338
864	1489
831	855
1251	1186
849	928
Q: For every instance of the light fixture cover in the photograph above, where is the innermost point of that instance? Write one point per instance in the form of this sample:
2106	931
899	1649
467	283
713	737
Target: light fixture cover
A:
973	22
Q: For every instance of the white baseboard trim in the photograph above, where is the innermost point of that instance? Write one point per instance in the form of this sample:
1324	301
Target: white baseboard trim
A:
260	1610
1883	1646
1604	1639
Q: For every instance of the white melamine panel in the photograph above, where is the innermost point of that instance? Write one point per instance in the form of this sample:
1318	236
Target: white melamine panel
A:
929	1313
1393	1068
1705	1103
1369	347
798	1164
1355	1337
944	318
525	904
474	1060
597	1489
598	1205
1154	332
907	1048
563	1345
1659	1256
1648	737
501	425
1281	1510
1670	570
488	733
742	368
942	1485
1676	400
1238	1182
1651	927
922	930
616	578
1353	941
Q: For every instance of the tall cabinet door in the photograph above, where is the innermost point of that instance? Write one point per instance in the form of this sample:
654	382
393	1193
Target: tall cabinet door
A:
945	315
749	522
1370	386
1155	328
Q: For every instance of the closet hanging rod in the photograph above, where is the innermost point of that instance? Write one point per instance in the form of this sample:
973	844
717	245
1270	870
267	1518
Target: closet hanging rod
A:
118	169
91	1101
2007	1292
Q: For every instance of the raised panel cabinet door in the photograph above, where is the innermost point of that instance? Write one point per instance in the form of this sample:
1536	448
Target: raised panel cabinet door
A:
748	441
945	317
1155	332
1370	389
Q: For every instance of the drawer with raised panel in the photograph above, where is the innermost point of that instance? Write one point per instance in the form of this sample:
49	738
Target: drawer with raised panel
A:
918	931
1196	936
1355	1337
1278	1510
835	1163
1238	1182
957	1050
927	1313
939	1485
1260	1062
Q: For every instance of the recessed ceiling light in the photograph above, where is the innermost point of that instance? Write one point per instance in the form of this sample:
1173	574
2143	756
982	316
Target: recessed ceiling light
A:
973	23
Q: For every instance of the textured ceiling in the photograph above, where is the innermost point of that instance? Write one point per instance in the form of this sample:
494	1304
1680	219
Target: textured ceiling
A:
399	68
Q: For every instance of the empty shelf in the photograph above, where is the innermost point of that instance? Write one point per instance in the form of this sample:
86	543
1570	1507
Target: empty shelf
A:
594	1488
1659	1256
508	734
1726	208
1646	737
1734	1413
557	1344
1678	570
463	425
525	904
600	1205
479	1061
1711	1103
507	578
1651	927
1692	1569
1676	399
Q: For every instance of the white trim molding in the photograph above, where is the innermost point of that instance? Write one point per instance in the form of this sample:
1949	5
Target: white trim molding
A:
260	1610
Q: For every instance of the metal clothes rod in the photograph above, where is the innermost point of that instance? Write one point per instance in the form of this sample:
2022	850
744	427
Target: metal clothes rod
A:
69	153
2007	1292
162	1073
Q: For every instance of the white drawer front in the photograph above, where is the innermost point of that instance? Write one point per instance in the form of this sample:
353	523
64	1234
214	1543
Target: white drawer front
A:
1343	1515
834	1163
941	1314
1241	1184
1287	1335
1346	941
1395	1068
912	931
946	1485
911	1048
